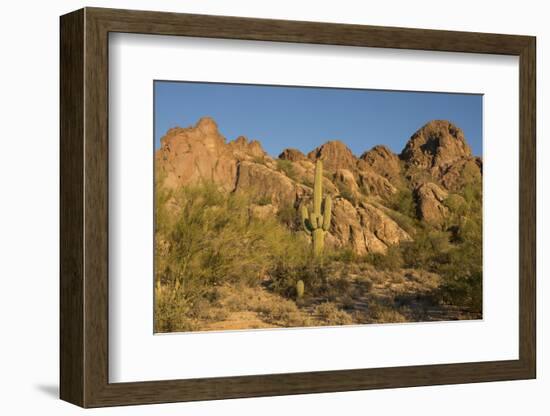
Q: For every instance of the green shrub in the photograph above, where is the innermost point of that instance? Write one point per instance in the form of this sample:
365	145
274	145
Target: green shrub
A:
403	201
427	250
264	200
288	216
344	254
392	260
407	223
287	168
205	238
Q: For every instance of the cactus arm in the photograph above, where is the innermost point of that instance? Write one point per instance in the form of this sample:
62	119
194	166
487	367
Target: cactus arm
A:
327	211
305	220
313	221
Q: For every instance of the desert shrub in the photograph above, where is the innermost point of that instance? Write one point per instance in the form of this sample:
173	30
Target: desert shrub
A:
264	200
463	291
337	289
427	250
205	238
171	310
403	202
287	168
283	313
347	193
288	216
457	205
330	314
462	273
391	260
384	313
260	160
286	271
407	223
473	194
344	254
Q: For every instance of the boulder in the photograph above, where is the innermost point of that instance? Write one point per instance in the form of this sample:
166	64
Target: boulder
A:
265	184
345	182
381	160
365	228
429	201
374	184
381	225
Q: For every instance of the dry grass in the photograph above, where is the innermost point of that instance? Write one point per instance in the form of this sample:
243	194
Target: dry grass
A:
329	314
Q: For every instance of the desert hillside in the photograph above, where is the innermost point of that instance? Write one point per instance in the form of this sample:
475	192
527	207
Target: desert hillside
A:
403	243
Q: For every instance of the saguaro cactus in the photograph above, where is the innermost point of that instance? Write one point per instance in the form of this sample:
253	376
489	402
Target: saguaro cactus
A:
317	223
299	289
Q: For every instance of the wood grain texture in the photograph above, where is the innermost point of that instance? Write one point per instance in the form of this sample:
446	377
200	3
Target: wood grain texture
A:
71	213
527	208
84	207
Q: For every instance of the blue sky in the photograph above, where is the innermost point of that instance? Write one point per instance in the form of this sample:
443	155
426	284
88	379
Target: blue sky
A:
304	118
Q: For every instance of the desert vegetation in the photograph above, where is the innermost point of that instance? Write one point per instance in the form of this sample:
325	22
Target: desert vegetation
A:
286	243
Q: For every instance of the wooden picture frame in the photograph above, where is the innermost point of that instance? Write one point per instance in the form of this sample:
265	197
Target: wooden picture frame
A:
84	207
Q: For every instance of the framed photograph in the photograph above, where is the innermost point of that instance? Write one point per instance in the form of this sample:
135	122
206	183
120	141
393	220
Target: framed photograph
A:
254	207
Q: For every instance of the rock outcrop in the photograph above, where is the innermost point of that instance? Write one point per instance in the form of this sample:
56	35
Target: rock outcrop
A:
335	155
194	154
246	150
266	184
345	182
440	150
429	200
435	162
294	155
460	173
365	228
436	145
383	161
375	184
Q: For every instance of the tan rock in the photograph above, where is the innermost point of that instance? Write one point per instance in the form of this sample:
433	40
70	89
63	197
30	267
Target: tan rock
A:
381	225
265	183
436	145
346	227
344	180
196	154
381	160
335	155
430	207
460	173
263	211
375	184
366	228
294	155
246	150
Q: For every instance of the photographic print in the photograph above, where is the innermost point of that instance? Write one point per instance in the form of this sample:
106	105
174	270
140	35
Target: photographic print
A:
290	206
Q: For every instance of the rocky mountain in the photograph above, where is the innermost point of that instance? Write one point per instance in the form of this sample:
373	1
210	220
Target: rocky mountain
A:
440	149
435	162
